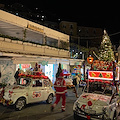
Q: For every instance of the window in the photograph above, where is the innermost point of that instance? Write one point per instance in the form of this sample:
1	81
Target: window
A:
51	42
24	81
94	32
46	83
71	26
37	83
64	26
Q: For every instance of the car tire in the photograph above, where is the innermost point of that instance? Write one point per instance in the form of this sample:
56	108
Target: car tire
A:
20	104
50	99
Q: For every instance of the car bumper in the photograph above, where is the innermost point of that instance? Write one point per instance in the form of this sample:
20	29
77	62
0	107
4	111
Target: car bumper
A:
6	102
86	116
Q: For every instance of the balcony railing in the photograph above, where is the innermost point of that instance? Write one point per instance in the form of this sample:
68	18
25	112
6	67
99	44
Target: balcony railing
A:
30	48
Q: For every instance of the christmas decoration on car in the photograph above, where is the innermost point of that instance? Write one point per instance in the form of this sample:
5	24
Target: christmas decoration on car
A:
103	67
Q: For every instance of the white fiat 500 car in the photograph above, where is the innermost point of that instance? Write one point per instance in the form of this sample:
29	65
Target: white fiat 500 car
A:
28	90
97	102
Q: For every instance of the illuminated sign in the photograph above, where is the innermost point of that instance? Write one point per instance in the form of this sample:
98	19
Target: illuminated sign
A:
49	71
103	75
23	67
35	28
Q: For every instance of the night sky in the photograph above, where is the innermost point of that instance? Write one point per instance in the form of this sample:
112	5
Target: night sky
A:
90	14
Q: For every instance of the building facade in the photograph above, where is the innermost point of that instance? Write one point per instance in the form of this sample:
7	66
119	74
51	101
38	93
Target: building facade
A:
24	43
69	28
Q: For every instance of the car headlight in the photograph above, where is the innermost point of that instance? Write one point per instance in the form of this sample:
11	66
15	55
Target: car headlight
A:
77	104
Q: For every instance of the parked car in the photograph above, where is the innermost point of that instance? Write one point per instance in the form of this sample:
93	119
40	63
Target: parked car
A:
98	101
82	84
68	80
29	90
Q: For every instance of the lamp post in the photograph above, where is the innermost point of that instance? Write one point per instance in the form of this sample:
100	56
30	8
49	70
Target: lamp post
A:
114	69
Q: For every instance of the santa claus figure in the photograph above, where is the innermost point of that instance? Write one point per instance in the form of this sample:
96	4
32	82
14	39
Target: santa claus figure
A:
61	89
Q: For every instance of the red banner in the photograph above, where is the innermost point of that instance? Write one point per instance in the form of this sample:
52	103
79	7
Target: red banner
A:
103	75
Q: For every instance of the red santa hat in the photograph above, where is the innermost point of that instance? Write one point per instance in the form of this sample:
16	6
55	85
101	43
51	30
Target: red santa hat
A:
61	75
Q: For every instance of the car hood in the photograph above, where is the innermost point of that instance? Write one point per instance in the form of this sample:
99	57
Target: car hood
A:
92	103
14	88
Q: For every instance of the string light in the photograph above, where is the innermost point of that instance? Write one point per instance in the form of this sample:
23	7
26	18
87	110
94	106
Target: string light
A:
95	37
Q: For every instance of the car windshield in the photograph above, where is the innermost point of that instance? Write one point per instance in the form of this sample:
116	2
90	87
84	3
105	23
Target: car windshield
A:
99	88
24	81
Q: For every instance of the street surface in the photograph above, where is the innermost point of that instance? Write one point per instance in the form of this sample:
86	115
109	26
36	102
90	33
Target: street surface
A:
41	111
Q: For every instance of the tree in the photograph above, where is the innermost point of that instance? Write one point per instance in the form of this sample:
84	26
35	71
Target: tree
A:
59	70
106	52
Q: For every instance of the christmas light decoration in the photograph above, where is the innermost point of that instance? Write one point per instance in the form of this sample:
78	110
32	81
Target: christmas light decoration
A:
106	52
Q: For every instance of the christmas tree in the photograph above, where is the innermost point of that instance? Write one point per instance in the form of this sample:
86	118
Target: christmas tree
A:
59	70
106	52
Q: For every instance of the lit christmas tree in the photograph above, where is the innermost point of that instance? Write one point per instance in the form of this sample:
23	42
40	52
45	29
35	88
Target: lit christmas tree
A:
59	70
106	52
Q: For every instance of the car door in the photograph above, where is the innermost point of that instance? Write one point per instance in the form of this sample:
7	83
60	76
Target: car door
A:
36	91
47	88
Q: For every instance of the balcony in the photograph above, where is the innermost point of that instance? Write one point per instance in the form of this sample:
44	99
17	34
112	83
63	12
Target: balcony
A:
20	47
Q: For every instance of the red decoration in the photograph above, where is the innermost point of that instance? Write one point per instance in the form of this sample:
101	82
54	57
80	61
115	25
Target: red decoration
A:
89	103
83	106
102	81
34	76
102	65
10	92
85	96
67	74
88	117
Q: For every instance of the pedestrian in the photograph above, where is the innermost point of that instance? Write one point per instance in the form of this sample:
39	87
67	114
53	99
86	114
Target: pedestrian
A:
16	76
35	70
76	81
61	89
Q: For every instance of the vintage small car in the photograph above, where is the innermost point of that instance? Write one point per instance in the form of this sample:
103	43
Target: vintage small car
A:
28	90
99	101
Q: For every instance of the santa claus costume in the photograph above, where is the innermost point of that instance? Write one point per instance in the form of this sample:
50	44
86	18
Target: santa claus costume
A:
61	90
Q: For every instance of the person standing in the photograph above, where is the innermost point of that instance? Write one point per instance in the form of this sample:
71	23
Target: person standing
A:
61	89
16	76
77	84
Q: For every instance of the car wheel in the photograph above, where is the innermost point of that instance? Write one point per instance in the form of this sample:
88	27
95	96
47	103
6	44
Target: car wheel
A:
20	104
50	99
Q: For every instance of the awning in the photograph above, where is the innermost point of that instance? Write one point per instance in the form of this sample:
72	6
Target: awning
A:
27	59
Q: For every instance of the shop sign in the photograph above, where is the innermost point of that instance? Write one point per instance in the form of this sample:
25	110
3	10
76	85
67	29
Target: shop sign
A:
35	28
24	66
103	75
43	62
